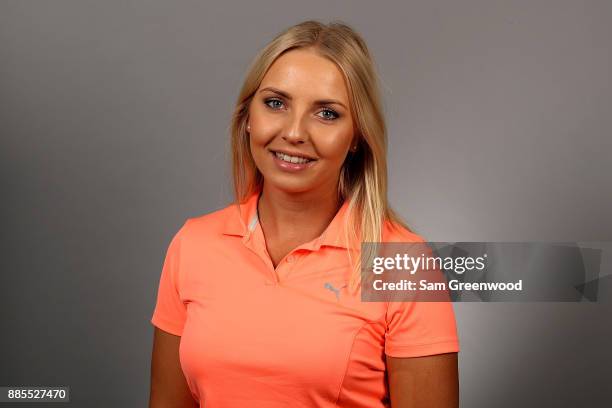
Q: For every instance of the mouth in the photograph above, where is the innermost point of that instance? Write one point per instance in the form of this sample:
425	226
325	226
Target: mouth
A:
291	159
290	163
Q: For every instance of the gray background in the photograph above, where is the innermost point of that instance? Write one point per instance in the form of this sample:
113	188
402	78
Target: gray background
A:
114	129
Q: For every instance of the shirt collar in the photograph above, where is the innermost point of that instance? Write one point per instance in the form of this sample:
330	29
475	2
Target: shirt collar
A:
242	221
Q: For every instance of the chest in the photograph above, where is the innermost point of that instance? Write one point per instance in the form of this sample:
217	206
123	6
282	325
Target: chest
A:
309	303
278	338
277	251
248	332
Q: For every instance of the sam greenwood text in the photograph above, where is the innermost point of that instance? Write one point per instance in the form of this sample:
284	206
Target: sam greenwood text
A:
453	284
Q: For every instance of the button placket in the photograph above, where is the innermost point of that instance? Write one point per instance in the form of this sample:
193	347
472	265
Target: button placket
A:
288	265
254	240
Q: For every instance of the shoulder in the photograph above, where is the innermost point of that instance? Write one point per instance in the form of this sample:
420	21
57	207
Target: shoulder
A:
209	224
393	232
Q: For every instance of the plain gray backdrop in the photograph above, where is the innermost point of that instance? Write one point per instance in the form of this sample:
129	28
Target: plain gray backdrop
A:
114	129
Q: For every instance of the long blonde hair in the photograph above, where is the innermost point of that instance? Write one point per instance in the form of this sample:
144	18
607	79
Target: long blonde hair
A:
363	177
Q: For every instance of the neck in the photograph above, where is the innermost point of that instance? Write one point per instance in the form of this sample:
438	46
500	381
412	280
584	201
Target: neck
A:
296	216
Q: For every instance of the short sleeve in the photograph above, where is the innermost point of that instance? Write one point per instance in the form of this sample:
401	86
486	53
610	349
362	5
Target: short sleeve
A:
419	328
170	312
416	329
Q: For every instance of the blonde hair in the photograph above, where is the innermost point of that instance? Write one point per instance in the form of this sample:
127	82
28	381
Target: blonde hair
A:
363	177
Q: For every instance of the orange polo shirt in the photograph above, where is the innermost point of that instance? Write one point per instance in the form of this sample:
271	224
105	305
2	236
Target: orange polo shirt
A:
255	336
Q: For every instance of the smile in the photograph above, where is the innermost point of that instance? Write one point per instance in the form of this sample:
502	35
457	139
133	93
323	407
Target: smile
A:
291	159
291	164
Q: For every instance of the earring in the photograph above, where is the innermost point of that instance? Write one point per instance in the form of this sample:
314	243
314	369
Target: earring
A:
248	128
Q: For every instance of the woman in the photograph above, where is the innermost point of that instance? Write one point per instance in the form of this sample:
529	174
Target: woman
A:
258	303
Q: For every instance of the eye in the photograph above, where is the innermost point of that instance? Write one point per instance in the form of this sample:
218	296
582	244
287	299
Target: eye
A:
267	103
334	114
275	104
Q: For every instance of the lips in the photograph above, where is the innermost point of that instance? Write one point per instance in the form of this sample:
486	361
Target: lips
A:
294	154
291	164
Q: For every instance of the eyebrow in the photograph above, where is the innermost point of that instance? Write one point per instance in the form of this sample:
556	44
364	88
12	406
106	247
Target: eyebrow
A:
317	102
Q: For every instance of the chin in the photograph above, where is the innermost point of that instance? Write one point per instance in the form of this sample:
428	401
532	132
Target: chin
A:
289	186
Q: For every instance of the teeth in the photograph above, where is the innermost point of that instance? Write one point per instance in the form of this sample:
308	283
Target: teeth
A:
291	159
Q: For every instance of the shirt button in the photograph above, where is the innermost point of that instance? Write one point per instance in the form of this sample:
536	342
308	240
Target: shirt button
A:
290	258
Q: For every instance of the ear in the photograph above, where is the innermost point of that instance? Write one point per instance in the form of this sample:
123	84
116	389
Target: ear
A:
354	144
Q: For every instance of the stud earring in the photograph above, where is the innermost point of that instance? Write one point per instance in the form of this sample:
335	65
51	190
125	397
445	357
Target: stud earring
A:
248	128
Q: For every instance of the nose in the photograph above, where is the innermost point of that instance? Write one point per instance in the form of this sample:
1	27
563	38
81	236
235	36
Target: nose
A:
295	130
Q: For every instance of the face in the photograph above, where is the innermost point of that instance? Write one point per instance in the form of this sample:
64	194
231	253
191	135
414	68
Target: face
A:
301	128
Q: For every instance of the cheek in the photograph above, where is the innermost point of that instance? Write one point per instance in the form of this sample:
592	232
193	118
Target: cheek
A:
256	138
263	126
334	146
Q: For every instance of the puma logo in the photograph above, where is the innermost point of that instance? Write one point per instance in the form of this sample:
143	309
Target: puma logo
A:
336	291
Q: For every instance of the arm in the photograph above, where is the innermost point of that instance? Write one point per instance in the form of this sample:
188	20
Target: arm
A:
424	382
169	388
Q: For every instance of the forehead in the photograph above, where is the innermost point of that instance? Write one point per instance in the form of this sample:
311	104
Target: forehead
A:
305	74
